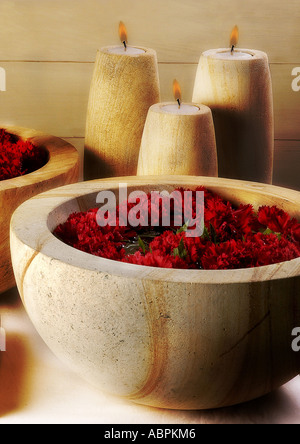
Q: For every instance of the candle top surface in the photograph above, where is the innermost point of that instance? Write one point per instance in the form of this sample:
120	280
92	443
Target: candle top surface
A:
129	51
236	55
185	109
233	55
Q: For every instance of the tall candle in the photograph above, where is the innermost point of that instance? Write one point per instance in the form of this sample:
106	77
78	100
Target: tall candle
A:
237	86
178	138
125	84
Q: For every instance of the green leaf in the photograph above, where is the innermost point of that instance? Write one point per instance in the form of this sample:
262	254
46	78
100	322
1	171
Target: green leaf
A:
183	229
206	234
180	251
268	231
210	234
213	234
142	245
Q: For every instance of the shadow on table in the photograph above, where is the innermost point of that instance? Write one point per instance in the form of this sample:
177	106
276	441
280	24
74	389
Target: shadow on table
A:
15	378
274	408
10	298
277	407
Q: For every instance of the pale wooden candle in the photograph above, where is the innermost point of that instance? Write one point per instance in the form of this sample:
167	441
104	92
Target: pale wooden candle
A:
124	85
238	88
178	140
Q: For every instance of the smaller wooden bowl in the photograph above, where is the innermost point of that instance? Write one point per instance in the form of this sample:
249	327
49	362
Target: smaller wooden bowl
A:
62	168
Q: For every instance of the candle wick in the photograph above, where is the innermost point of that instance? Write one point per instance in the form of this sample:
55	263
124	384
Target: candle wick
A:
179	103
232	49
125	45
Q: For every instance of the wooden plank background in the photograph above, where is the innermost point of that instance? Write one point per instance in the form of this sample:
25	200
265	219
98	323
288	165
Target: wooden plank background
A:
48	48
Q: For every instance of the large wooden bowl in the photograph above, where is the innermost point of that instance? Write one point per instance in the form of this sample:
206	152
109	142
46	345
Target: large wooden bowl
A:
180	339
62	168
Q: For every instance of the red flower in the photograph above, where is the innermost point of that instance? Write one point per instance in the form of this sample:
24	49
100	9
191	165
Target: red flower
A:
273	218
234	238
245	220
271	249
18	157
228	255
156	259
293	231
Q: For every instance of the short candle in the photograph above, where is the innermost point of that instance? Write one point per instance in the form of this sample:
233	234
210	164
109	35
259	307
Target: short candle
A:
178	138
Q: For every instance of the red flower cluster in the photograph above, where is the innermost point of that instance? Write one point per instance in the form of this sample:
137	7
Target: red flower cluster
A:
18	157
233	238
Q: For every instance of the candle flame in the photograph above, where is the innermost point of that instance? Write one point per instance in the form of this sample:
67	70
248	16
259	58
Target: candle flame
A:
177	91
123	33
234	37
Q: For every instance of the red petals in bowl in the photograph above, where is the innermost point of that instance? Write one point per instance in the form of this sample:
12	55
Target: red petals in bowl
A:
19	157
234	238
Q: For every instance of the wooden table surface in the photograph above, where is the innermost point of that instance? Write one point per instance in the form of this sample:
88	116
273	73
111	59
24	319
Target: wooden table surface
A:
36	388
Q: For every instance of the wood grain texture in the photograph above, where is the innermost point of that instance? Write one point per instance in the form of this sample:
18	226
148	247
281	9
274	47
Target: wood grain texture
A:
60	38
73	30
286	161
50	97
286	103
180	339
62	168
53	97
78	143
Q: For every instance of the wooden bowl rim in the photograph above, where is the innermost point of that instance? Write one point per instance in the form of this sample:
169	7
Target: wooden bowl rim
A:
30	224
58	153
